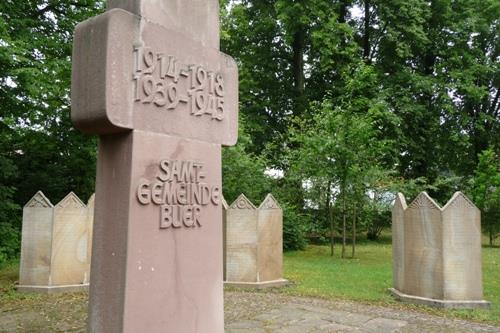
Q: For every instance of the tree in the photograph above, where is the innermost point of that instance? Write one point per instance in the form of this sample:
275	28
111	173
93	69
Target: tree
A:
438	64
338	149
9	211
40	149
35	97
252	34
486	192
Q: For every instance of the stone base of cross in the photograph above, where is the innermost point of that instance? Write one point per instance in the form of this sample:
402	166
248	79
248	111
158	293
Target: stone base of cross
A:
149	79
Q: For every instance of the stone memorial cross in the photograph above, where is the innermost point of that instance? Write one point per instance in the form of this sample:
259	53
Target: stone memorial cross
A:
149	79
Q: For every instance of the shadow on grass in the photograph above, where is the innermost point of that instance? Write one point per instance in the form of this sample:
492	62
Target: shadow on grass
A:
488	246
361	239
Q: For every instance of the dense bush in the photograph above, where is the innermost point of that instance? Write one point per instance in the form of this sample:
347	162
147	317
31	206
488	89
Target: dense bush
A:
294	228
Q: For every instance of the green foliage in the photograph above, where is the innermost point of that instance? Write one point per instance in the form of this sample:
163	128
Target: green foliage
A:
40	149
335	174
294	228
486	192
244	172
9	240
9	210
250	33
35	95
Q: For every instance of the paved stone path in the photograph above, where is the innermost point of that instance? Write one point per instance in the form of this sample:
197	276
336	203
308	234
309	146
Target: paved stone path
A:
247	312
272	313
296	318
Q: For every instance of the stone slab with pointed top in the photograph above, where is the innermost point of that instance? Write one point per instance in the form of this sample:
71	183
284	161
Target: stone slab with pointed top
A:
69	242
36	241
148	77
437	252
270	240
398	241
55	245
241	241
253	244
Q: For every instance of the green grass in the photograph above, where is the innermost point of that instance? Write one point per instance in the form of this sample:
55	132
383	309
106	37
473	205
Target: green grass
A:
367	277
316	273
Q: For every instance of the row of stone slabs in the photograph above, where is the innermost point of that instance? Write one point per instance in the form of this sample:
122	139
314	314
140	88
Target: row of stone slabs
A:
57	242
436	251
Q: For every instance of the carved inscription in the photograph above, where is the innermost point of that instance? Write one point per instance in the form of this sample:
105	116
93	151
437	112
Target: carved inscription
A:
181	191
163	81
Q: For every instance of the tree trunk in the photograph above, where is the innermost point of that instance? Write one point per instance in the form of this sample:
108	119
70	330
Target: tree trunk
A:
329	216
366	37
298	49
299	102
343	223
344	4
354	231
332	231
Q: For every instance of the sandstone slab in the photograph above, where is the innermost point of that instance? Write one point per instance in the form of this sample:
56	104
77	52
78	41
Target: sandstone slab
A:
55	248
437	252
253	244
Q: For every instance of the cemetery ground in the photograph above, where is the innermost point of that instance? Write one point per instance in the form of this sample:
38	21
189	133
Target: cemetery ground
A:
320	284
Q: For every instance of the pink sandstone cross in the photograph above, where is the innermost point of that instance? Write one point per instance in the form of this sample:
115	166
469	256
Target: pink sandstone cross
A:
149	79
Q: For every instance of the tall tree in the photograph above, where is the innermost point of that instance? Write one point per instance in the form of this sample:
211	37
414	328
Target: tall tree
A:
35	98
40	149
486	192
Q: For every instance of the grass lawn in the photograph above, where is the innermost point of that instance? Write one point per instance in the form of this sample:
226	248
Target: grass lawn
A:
367	277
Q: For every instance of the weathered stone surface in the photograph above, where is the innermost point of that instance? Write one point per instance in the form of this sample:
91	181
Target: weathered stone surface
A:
241	241
195	19
462	269
398	251
90	230
254	244
36	241
384	325
270	247
55	254
437	252
423	235
148	77
278	311
422	243
70	240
